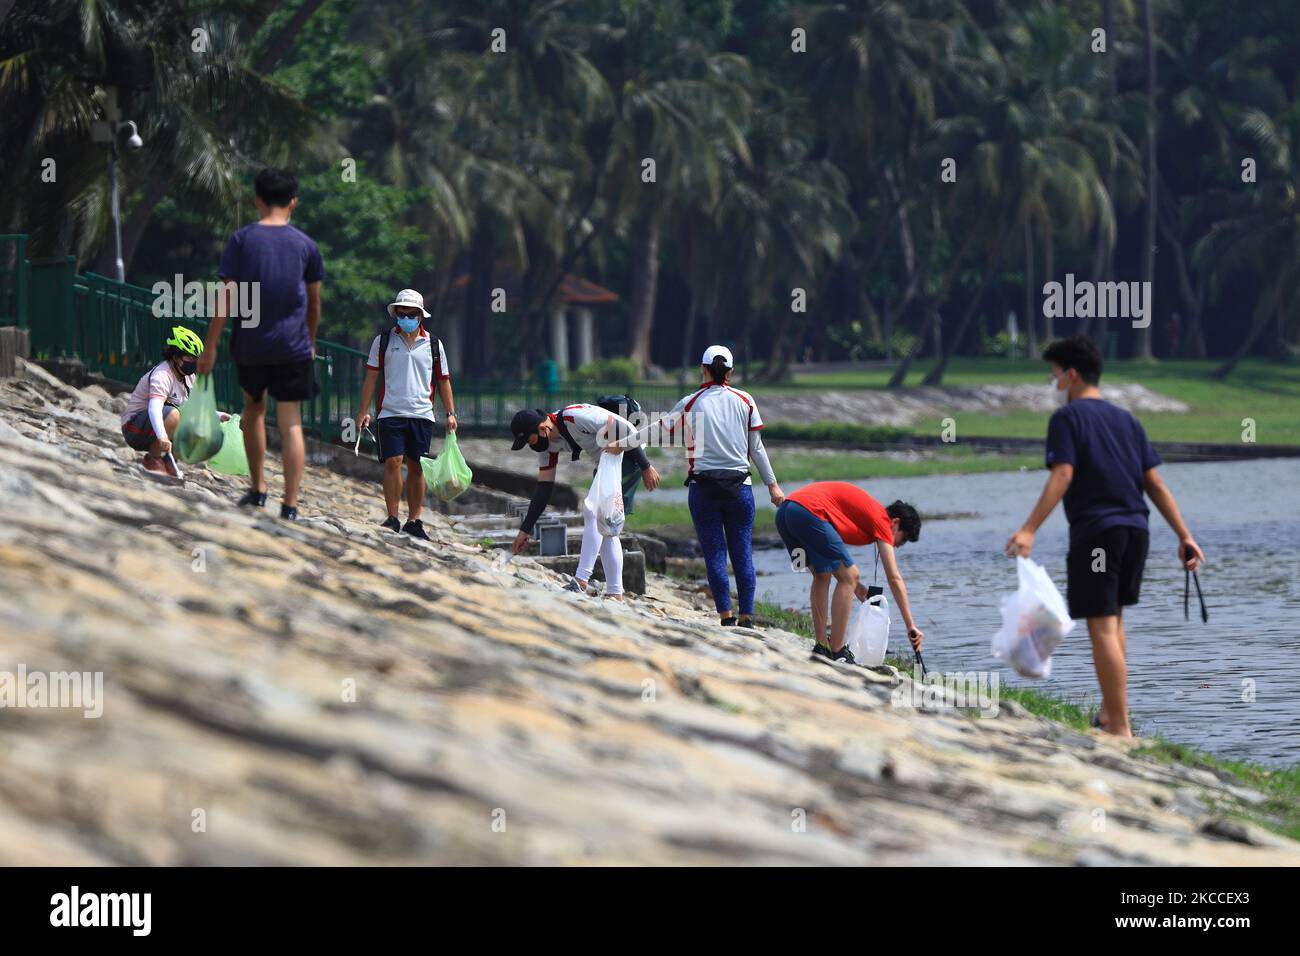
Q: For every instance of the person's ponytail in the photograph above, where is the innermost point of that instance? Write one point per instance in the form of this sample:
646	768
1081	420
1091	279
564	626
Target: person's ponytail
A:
718	370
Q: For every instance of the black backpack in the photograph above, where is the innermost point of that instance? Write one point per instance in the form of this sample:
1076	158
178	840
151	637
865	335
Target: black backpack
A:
386	336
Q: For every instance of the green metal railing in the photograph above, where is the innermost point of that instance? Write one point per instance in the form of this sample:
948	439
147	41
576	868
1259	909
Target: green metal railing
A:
13	280
491	403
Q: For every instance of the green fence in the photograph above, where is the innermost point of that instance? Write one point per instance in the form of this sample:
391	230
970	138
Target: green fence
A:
117	330
13	280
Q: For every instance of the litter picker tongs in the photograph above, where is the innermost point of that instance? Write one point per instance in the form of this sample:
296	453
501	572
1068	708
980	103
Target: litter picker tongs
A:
356	449
1188	577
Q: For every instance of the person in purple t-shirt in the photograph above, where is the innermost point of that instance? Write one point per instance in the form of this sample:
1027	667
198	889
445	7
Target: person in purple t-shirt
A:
1101	464
272	274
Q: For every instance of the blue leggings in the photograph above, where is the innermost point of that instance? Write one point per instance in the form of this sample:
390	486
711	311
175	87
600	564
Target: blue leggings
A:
727	526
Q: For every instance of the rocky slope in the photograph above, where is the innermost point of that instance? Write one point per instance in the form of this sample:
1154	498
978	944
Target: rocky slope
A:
327	693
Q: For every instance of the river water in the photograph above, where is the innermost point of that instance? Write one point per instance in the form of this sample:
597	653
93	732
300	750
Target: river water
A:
1188	681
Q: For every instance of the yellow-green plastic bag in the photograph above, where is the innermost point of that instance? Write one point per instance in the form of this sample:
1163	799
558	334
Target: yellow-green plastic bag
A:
447	475
199	435
232	459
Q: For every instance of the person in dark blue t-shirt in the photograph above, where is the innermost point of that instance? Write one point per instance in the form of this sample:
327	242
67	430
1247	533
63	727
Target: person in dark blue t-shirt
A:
1101	464
272	274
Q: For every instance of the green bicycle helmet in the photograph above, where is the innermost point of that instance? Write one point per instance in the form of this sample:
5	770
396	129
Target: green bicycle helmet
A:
183	340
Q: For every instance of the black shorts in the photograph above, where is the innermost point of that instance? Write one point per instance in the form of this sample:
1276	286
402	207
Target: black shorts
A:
286	381
403	436
1117	580
138	430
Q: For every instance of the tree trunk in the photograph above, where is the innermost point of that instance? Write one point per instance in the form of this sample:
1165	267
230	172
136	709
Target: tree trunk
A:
908	247
689	337
1031	334
1262	320
1049	274
905	366
935	377
477	337
1192	298
1103	263
645	282
282	42
1149	230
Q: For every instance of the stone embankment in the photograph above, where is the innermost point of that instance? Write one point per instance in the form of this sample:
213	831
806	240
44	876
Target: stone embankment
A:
328	693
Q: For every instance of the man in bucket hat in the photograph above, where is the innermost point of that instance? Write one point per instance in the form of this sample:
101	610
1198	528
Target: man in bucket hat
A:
409	365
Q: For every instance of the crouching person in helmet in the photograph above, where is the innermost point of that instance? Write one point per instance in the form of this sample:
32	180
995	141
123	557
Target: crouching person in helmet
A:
153	411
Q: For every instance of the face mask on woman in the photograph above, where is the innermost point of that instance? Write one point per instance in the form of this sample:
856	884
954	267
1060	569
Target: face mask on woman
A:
189	367
408	324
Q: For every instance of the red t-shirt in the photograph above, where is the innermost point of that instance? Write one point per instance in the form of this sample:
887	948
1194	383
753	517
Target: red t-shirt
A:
854	514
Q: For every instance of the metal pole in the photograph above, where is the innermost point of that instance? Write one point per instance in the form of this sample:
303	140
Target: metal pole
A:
117	219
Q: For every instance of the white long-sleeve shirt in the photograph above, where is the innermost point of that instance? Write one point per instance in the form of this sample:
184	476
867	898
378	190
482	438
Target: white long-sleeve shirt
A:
160	386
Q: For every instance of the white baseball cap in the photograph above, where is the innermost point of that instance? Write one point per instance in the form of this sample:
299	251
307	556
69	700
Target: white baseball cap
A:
408	298
714	351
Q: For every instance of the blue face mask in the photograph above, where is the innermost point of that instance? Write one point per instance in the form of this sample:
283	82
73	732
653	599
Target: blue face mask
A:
408	325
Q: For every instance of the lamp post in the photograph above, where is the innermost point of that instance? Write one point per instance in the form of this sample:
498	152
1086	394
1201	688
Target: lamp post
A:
108	131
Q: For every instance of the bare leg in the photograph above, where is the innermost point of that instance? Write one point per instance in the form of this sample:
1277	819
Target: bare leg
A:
293	448
846	579
414	490
818	598
1102	716
393	485
253	425
1112	673
171	421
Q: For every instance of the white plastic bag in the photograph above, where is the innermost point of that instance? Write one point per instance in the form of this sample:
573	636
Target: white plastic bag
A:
868	633
1034	621
605	498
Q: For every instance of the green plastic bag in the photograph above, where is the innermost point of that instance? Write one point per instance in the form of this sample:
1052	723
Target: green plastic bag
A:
199	435
232	459
447	475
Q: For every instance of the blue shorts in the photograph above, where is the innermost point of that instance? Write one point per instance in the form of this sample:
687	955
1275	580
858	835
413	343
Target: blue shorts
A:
813	542
403	436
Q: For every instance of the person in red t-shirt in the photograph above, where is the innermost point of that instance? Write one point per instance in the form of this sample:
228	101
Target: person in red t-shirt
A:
816	522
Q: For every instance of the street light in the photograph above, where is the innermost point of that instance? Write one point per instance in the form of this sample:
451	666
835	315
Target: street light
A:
108	131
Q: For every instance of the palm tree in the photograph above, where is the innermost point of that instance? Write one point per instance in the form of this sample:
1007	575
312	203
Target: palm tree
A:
1260	233
781	223
200	113
880	71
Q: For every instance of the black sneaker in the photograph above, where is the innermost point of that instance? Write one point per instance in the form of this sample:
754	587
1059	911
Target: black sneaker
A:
252	499
415	528
844	655
821	650
288	512
392	523
729	621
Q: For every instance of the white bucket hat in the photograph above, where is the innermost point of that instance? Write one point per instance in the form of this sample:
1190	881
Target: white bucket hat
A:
408	298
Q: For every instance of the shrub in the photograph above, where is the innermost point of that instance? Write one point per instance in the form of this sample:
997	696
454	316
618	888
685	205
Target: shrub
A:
607	371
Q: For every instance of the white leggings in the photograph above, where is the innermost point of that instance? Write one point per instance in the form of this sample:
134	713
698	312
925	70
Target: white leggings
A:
611	554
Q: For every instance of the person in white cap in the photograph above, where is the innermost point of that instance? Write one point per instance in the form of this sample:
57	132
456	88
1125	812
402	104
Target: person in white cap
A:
409	365
720	427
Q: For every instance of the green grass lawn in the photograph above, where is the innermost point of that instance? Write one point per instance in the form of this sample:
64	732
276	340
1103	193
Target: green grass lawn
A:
1281	786
674	520
1268	392
792	463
